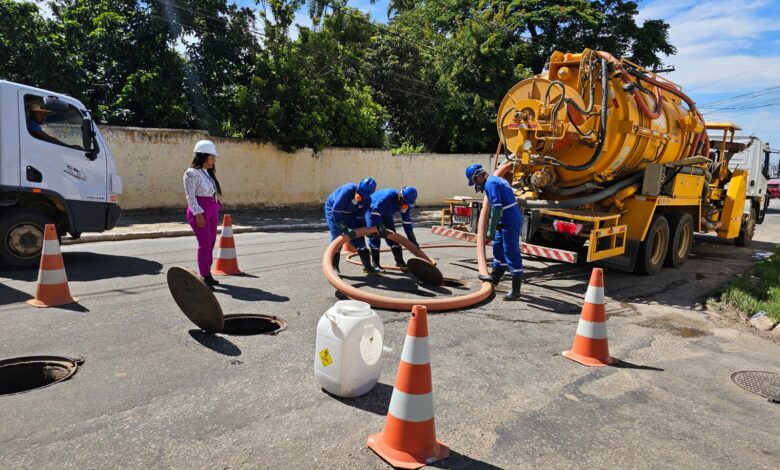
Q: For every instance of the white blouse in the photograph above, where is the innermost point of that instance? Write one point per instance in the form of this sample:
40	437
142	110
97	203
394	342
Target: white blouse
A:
197	182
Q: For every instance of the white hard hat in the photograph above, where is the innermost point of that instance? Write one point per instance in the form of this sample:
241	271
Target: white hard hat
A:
206	146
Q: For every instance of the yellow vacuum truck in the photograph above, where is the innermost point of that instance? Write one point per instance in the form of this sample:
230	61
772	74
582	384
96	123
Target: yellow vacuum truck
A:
612	162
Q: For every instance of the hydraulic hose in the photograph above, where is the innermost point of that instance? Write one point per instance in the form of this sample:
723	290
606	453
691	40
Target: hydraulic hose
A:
640	100
392	303
602	131
589	199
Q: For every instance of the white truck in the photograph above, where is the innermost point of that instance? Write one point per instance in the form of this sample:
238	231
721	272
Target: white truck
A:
55	168
748	153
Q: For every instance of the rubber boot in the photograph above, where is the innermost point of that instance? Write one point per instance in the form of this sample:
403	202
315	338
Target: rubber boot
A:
375	258
517	281
495	276
335	261
365	258
398	254
210	281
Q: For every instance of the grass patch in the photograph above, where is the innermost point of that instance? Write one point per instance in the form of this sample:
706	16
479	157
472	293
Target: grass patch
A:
757	289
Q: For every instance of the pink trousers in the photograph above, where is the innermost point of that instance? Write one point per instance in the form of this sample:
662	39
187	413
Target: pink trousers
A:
206	235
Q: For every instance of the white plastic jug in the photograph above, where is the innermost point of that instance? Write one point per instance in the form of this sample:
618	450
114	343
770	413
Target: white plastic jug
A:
349	348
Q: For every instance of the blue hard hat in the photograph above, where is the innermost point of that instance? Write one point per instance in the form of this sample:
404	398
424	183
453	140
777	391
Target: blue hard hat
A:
472	171
366	187
409	194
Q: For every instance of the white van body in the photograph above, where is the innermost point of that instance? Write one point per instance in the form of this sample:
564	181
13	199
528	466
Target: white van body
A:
59	171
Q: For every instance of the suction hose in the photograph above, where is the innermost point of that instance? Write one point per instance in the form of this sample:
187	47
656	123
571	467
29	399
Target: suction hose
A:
392	303
579	201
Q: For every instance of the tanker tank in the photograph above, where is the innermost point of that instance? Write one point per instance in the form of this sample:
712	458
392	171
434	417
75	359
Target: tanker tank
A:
592	120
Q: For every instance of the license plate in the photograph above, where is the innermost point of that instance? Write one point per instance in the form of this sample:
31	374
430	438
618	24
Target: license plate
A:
461	219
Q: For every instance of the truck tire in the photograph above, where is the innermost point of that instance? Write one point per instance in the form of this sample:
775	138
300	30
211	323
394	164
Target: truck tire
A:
747	230
681	241
21	238
652	251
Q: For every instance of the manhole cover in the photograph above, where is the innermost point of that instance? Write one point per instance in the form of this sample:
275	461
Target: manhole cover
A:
195	299
425	272
245	324
22	374
766	384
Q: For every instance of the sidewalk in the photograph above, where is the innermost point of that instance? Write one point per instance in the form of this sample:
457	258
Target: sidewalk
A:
164	223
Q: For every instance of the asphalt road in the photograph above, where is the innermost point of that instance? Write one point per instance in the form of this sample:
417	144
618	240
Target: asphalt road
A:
155	392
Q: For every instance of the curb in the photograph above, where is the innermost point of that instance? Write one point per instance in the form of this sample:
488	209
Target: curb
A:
113	237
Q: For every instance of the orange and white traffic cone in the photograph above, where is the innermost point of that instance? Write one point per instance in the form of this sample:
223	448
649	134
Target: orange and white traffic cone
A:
590	343
227	263
52	289
409	438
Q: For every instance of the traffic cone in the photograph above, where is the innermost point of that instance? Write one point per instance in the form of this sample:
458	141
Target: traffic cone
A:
409	437
590	343
227	263
52	289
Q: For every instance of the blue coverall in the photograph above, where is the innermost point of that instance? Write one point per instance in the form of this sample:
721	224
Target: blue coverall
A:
342	206
506	246
384	205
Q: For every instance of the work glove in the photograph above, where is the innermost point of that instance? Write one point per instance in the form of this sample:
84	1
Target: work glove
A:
494	222
381	230
344	229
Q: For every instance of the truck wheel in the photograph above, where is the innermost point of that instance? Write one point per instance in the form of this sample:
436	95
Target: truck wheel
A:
21	238
652	251
681	240
748	229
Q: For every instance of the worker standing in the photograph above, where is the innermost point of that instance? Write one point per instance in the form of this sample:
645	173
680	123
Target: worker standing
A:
504	226
384	205
202	191
345	211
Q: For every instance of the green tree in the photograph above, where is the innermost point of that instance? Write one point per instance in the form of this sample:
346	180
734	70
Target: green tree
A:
32	49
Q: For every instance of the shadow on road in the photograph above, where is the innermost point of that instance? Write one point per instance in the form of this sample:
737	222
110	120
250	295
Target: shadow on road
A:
376	401
215	343
85	266
460	461
10	295
399	283
248	293
627	365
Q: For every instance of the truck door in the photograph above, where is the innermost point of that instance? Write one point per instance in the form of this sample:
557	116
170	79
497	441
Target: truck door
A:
53	158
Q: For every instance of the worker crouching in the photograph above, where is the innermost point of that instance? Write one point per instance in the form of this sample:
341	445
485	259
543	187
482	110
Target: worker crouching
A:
345	211
384	205
504	225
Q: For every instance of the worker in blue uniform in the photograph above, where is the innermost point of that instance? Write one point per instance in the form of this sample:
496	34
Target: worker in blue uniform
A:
385	203
345	211
503	228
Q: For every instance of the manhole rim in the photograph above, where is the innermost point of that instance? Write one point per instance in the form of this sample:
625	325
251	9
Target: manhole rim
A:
71	363
742	386
280	322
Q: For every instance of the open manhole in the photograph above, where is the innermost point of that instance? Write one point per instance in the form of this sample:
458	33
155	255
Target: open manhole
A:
22	374
766	384
198	302
425	272
245	324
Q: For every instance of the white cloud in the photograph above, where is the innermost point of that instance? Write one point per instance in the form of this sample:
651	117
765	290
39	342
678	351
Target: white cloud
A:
724	48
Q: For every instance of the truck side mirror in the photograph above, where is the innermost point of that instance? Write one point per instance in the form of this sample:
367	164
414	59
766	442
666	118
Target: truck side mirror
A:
88	139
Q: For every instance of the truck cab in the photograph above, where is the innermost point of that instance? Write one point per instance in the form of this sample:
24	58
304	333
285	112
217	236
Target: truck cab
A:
55	168
750	155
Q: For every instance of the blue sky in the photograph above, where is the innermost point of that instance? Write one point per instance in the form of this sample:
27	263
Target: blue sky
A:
724	48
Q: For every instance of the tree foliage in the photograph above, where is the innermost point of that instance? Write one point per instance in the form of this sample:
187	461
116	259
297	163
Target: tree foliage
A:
430	79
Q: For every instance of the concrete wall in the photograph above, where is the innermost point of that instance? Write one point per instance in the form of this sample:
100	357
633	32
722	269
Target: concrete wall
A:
151	163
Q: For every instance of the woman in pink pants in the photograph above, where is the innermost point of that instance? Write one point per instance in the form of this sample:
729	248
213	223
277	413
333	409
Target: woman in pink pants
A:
202	190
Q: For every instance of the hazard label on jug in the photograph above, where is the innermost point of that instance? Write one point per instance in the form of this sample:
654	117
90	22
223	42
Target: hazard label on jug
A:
325	358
